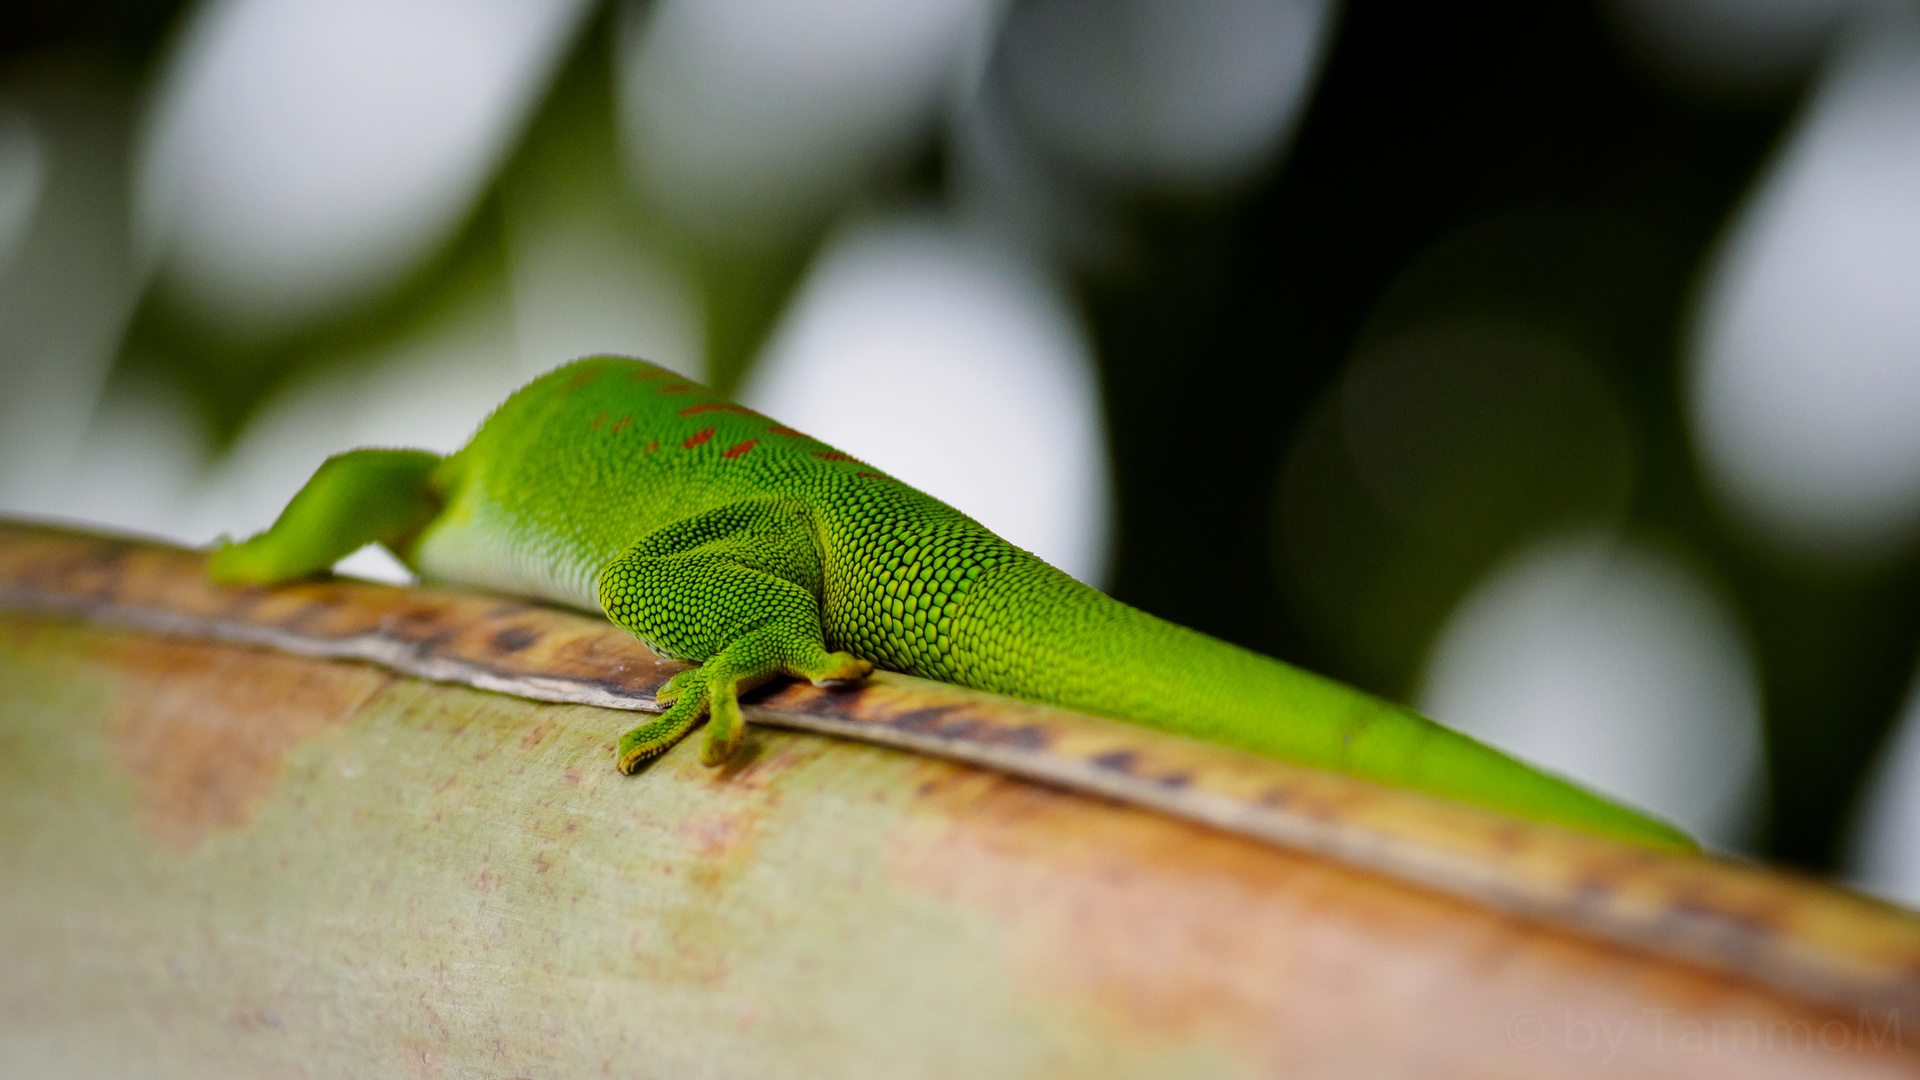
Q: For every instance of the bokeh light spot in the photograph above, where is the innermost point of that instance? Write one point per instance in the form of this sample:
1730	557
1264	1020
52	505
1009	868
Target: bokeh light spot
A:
301	156
1615	664
1805	387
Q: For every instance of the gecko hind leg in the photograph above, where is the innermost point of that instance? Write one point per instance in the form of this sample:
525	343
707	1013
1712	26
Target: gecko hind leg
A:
736	589
356	498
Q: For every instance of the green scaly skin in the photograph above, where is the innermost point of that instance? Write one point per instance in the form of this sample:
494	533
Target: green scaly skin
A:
718	537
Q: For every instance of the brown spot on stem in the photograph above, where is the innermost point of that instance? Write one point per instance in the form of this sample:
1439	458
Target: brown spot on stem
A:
206	728
512	639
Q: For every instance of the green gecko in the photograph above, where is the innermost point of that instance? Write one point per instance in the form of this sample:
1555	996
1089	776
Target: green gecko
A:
719	537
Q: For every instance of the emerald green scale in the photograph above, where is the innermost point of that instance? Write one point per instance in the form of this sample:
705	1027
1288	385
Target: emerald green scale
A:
719	536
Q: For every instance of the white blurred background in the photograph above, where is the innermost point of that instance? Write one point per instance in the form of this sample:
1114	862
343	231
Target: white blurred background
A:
955	237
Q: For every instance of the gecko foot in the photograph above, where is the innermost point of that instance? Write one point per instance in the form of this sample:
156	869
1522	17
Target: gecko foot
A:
838	669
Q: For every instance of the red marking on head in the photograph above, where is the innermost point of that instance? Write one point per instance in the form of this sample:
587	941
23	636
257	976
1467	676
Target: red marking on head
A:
653	445
598	420
582	378
778	430
649	373
620	425
680	389
698	437
736	451
835	455
715	406
874	475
